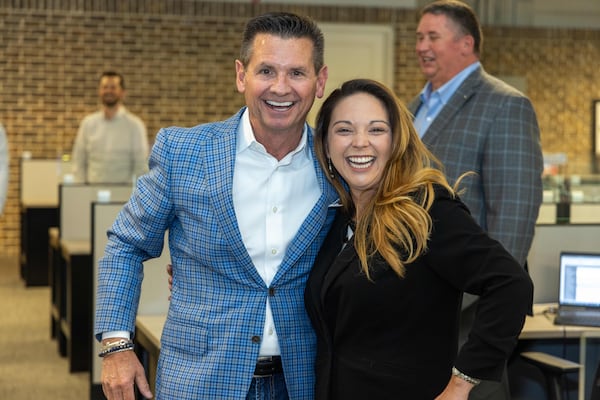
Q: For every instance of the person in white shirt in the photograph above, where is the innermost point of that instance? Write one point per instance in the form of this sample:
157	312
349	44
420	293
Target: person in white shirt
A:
111	144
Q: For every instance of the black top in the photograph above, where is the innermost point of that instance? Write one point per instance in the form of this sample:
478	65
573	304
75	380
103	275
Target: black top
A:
397	337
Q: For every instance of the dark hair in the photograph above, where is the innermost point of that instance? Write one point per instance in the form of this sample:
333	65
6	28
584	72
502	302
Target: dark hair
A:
462	15
113	74
284	25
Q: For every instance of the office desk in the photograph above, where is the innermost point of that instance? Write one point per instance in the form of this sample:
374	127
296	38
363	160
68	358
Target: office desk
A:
541	326
76	305
36	218
147	338
55	281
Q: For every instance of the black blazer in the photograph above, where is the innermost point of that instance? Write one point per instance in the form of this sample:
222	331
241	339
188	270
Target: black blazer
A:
394	338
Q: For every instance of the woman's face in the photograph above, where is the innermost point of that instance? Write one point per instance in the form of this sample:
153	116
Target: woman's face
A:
359	143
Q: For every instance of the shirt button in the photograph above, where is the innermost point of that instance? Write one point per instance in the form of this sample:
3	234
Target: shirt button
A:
255	339
271	331
273	251
274	209
271	291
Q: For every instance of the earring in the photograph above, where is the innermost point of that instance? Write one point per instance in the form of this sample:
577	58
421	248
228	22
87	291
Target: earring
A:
330	167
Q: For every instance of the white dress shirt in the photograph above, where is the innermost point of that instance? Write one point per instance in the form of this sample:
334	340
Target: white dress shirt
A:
271	200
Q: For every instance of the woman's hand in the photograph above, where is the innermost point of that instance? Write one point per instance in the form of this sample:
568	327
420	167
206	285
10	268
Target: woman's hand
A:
170	280
457	389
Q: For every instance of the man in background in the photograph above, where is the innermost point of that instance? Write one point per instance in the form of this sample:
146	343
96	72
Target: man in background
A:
474	122
3	168
112	144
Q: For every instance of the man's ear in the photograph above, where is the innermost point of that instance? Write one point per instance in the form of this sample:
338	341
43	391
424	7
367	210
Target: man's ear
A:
240	76
468	44
322	76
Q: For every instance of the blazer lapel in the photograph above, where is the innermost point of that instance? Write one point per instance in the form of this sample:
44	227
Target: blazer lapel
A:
323	263
314	222
464	92
347	258
220	163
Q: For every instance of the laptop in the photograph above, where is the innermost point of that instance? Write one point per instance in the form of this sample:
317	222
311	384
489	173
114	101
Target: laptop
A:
579	289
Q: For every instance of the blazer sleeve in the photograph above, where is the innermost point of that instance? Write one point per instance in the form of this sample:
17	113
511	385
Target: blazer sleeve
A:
136	236
463	254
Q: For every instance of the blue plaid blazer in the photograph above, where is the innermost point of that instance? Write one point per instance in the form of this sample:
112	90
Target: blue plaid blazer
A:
491	128
211	339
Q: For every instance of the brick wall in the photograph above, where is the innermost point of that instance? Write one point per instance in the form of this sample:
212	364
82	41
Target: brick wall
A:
177	57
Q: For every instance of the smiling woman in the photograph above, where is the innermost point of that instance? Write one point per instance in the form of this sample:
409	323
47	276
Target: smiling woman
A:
393	268
359	145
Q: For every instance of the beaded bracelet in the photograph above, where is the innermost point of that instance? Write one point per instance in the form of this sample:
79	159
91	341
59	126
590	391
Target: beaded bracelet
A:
464	377
115	347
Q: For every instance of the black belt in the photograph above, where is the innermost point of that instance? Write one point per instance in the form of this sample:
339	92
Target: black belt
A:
267	366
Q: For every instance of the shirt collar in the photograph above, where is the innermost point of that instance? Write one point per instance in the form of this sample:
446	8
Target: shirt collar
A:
446	91
247	141
120	112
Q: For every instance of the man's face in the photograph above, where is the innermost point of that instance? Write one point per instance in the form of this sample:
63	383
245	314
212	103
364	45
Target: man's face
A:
442	50
279	84
110	90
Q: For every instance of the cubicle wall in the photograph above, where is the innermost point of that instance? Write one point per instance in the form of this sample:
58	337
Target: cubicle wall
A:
543	259
38	201
155	291
75	203
71	269
584	213
569	213
39	181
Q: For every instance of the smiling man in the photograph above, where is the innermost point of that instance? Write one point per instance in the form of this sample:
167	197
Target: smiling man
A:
247	208
111	144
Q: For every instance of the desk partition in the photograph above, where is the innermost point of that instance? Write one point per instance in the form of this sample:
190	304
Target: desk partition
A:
38	196
584	213
71	268
75	202
155	291
39	181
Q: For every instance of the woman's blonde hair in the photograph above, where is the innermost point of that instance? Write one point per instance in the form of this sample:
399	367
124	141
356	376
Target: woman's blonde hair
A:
396	223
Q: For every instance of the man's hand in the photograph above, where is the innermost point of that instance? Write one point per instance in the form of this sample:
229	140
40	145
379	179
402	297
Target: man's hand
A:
120	371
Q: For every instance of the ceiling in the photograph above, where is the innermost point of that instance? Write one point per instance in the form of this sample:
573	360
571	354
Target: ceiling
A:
534	13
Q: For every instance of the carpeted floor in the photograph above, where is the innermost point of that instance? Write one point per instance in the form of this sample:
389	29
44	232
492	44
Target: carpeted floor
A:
30	366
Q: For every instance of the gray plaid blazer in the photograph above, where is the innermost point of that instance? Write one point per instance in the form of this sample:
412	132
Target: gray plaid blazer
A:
491	128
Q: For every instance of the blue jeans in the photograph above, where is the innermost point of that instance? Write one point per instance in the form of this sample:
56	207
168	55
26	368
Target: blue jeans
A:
268	388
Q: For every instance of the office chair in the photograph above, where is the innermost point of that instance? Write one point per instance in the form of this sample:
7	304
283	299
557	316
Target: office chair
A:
595	395
554	370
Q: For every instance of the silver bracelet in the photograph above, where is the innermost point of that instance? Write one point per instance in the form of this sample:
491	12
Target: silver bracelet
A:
116	350
116	347
464	377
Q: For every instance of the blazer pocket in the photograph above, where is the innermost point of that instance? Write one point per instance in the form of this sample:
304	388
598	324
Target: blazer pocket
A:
185	339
